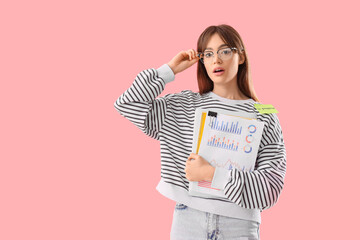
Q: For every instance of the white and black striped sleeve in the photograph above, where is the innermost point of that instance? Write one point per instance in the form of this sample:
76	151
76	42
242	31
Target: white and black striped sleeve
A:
139	103
261	188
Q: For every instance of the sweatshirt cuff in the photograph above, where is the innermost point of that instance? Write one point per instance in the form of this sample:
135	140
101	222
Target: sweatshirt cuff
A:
166	73
221	178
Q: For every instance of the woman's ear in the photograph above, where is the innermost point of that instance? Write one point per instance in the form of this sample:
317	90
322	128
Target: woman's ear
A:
241	58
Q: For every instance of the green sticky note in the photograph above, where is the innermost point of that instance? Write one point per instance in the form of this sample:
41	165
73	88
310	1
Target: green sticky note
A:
265	108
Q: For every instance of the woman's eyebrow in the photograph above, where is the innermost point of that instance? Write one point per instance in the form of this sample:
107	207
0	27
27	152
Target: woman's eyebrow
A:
219	46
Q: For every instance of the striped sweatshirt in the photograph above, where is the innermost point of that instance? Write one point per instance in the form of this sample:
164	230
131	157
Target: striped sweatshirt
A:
170	119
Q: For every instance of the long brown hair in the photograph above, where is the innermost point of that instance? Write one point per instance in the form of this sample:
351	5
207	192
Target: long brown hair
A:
231	37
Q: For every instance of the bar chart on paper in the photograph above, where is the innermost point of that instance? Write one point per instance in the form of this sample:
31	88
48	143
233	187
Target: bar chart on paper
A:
226	126
224	143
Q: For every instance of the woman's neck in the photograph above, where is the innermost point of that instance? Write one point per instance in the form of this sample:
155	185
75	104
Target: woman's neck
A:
230	92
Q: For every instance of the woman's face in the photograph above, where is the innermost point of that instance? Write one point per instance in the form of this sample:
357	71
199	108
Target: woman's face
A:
230	66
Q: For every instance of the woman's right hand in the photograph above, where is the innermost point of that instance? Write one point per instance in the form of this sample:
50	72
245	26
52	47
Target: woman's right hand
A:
183	60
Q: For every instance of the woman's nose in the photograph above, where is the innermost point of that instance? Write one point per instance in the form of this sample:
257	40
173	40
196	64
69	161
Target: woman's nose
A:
216	58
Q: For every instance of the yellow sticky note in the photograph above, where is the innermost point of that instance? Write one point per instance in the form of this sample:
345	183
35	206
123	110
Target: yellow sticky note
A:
265	108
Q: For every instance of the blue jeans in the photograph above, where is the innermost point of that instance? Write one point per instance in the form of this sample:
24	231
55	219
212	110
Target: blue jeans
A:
189	223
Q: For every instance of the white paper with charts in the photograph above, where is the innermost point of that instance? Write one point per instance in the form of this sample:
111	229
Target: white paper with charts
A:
227	140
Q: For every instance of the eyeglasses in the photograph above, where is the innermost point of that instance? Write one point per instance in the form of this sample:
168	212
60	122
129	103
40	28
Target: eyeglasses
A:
224	54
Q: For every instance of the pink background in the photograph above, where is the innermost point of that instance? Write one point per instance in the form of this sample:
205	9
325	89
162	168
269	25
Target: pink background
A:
73	168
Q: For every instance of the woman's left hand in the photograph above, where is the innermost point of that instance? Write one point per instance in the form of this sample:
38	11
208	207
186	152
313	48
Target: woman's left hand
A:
198	169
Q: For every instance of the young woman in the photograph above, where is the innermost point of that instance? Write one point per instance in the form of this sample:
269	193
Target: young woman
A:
224	82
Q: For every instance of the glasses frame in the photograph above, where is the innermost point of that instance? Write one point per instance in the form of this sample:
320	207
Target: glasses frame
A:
217	52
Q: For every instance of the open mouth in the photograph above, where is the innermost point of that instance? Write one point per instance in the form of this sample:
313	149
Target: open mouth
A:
218	71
